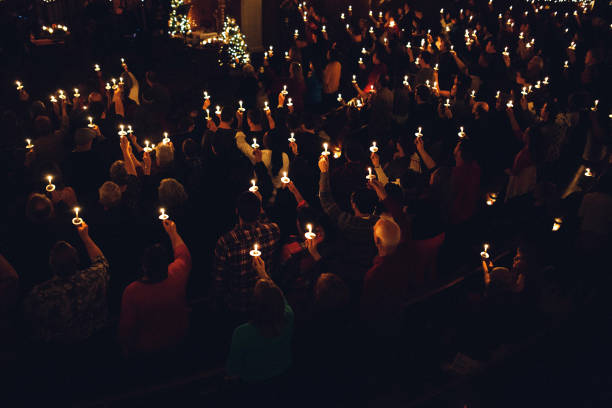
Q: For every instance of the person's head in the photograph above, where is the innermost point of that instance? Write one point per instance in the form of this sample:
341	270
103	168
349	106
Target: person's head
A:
63	259
118	174
464	151
330	293
151	77
593	56
254	119
83	138
248	207
306	215
422	93
375	58
395	192
171	193
227	116
164	154
549	111
295	71
190	148
387	236
109	195
96	104
248	70
42	125
268	308
155	263
39	208
363	201
353	151
426	59
38	108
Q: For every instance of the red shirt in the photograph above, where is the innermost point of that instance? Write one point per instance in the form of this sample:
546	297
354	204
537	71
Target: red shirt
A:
155	316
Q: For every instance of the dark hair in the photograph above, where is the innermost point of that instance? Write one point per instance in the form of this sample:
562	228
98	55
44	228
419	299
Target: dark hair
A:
63	259
423	92
395	192
155	263
96	109
248	206
254	115
427	57
331	293
39	208
365	200
222	144
118	174
466	148
227	115
190	148
42	125
276	141
268	308
353	151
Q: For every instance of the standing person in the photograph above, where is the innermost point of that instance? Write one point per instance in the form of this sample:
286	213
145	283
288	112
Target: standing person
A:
154	312
331	79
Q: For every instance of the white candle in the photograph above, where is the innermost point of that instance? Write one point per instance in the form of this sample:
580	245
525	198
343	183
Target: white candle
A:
484	254
524	91
370	176
147	148
266	107
545	82
419	134
447	104
77	220
325	152
510	104
50	187
122	61
255	251
241	108
309	234
461	132
255	145
61	94
114	81
506	53
339	97
122	132
90	124
594	107
19	85
253	187
436	67
108	86
52	99
289	102
218	110
285	179
292	138
130	129
96	67
406	81
566	64
557	224
323	29
162	214
207	114
76	93
286	55
588	173
473	94
166	139
408	45
373	148
354	78
120	80
284	91
29	144
341	16
497	94
360	61
206	95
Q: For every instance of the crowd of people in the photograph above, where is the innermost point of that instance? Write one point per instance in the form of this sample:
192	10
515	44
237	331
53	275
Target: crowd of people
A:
353	164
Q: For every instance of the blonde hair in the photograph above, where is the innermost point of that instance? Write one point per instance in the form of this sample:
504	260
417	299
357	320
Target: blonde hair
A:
109	194
387	232
164	154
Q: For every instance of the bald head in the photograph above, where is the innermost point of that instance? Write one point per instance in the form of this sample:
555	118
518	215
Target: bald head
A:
387	236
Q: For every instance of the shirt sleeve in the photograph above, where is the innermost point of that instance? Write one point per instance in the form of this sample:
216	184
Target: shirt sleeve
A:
244	147
99	266
181	266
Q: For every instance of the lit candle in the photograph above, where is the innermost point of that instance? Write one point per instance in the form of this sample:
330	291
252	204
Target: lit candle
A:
371	30
354	79
50	187
337	152
123	64
491	198
350	8
108	86
473	94
309	234
255	252
120	80
594	107
207	114
241	108
286	55
566	65
419	134
296	34
90	124
114	81
325	152
370	13
370	176
364	51
29	144
557	224
253	187
452	49
545	82
96	67
147	148
524	91
380	14
572	46
510	104
266	107
372	90
61	94
77	220
339	97
289	102
292	138
19	85
130	131
360	62
166	139
506	53
373	148
538	85
285	179
447	104
435	67
284	91
255	145
270	51
497	94
408	45
76	93
206	95
417	60
485	254
122	132
588	173
348	27
52	99
341	16
162	214
323	29
461	132
218	110
427	83
406	83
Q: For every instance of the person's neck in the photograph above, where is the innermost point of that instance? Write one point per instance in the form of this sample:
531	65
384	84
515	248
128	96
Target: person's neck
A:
255	128
224	125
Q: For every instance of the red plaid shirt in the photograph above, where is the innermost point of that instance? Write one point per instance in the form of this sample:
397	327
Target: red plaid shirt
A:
235	276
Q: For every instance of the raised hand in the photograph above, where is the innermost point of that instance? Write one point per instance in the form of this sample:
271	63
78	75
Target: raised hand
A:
323	164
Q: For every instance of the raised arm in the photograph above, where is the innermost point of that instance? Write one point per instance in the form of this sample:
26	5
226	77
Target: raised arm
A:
328	204
92	249
182	257
429	162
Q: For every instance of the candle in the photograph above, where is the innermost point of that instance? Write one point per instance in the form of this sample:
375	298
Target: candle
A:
594	107
572	46
76	93
358	104
271	52
206	95
372	90
90	124
417	60
166	139
296	34
284	91
130	131
360	62
408	45
96	68
371	30
435	67
286	55
207	114
61	94
325	152
341	16
29	144
497	94
538	85
370	13
506	53
350	8
240	108
347	27
380	14
122	132
422	44
309	234
406	83
370	176
253	187
419	134
557	224
77	220
266	55
588	173
19	85
289	102
427	83
255	252
566	64
447	104
266	107
452	49
491	198
255	145
545	82
337	152
114	81
339	97
510	104
120	80
473	94
285	179
354	79
123	62
147	148
292	138
461	132
50	187
162	214
323	30
484	254
108	86
52	99
524	91
373	148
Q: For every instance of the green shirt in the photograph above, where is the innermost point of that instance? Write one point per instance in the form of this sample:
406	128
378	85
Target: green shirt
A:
254	357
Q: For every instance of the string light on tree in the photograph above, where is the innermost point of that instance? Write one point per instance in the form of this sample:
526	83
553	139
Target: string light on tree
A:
235	46
178	23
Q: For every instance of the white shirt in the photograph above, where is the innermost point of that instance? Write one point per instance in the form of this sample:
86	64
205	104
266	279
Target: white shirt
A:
266	158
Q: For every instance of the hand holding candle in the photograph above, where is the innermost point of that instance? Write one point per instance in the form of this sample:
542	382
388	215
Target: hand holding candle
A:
285	179
255	251
77	220
373	148
309	234
484	255
253	187
325	152
370	176
461	132
419	134
254	145
29	144
162	214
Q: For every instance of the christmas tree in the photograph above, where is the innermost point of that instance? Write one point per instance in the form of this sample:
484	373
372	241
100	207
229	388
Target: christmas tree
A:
234	44
178	23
